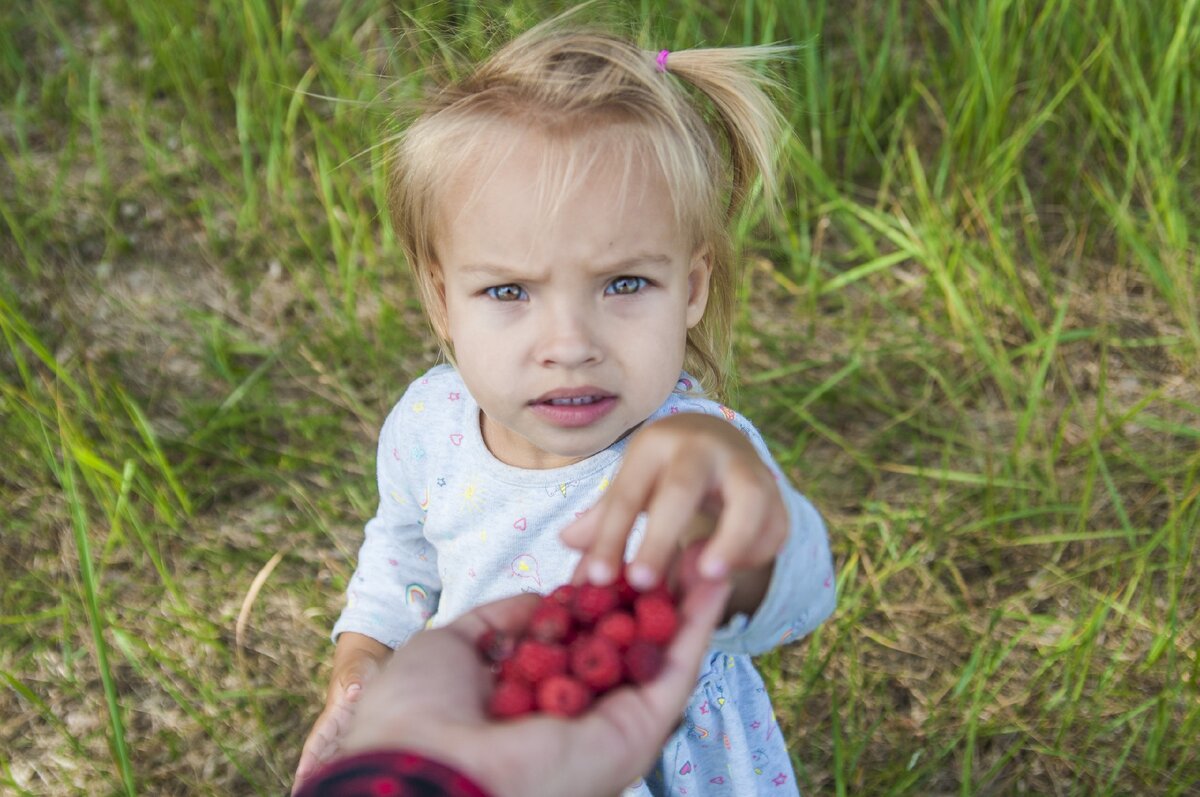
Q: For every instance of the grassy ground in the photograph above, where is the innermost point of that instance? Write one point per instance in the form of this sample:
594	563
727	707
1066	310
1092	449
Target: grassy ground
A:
973	342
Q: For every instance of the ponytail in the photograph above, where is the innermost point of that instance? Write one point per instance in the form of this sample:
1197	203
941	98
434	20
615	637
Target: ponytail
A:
750	121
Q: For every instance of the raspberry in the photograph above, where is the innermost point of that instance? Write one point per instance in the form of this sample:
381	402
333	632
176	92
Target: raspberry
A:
496	646
563	695
511	699
593	602
504	670
619	628
596	662
580	642
643	661
626	591
535	661
551	622
662	591
656	618
563	595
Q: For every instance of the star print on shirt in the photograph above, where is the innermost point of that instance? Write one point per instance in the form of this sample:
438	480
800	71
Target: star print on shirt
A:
779	779
441	482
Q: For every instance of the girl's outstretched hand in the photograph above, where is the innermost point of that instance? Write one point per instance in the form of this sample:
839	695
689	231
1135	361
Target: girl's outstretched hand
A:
675	469
324	739
356	661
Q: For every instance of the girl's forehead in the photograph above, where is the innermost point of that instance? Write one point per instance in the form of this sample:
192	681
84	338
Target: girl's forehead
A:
546	172
554	163
525	201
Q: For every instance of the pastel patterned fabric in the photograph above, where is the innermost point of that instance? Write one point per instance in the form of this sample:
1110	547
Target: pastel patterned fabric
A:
457	528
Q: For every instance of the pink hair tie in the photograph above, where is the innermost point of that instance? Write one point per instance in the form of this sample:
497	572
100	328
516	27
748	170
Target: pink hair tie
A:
662	60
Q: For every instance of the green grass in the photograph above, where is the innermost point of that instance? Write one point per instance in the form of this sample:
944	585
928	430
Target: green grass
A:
972	339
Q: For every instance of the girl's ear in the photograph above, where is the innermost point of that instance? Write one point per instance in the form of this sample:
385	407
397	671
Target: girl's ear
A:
699	272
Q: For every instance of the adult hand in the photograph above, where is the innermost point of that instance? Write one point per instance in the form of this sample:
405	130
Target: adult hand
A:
431	699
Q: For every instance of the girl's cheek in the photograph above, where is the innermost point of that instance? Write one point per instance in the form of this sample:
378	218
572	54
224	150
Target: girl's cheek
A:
504	314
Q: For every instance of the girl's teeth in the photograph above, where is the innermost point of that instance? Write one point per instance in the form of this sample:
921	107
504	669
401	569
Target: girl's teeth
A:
561	402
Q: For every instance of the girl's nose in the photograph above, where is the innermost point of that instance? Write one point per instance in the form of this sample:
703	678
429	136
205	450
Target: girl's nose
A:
568	339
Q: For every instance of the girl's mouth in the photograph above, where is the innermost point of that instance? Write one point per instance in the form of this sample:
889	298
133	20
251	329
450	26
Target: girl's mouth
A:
572	409
573	402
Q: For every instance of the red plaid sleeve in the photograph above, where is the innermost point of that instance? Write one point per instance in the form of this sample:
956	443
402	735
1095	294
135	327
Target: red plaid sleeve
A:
389	773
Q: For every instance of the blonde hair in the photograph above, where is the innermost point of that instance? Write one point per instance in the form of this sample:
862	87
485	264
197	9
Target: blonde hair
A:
571	86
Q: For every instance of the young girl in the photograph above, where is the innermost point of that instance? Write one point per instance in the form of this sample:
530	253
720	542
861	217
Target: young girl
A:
565	209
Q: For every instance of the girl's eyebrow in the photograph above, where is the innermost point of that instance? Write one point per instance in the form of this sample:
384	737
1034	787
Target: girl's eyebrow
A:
638	261
494	270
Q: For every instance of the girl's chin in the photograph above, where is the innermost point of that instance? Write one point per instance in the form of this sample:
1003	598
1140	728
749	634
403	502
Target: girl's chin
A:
548	445
522	452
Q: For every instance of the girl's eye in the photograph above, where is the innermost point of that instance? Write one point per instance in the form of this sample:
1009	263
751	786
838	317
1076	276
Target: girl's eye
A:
623	286
506	293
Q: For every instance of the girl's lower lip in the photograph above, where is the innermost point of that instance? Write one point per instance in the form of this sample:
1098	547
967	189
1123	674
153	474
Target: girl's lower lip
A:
575	415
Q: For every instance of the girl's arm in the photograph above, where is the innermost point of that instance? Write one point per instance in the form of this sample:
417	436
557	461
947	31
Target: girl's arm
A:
395	587
394	590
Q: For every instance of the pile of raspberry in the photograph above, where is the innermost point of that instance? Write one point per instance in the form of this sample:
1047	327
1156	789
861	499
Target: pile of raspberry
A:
581	641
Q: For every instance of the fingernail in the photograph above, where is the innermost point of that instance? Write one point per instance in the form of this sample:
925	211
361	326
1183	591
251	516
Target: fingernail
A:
599	573
712	567
641	576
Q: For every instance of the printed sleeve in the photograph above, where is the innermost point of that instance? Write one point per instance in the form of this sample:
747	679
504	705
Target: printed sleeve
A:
802	592
395	586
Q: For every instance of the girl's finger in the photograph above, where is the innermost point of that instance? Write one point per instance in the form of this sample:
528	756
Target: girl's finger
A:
773	537
321	744
580	533
357	677
617	511
670	519
743	519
